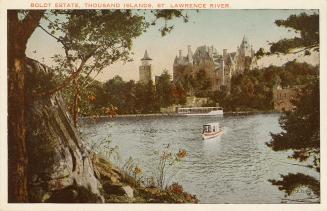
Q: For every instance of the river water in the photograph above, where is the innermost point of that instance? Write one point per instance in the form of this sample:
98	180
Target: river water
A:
234	168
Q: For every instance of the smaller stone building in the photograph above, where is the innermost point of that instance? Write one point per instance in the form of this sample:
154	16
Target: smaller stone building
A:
283	98
196	101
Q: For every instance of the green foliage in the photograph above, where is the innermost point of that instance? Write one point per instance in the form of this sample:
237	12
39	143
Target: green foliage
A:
253	90
308	28
168	15
164	90
198	85
145	98
301	127
93	40
260	53
178	93
164	170
201	84
292	182
130	97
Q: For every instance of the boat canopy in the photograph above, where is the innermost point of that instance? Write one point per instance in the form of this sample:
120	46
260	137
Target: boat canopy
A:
211	127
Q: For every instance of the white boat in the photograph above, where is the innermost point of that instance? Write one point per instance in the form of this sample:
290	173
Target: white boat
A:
201	111
211	130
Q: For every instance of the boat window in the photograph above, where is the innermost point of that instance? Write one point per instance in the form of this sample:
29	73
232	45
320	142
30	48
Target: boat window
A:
206	129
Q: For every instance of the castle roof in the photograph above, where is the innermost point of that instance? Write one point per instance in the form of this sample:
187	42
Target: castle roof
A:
245	39
146	56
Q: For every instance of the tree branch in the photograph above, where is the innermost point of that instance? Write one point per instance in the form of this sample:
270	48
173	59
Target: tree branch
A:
307	48
49	33
30	22
73	76
86	85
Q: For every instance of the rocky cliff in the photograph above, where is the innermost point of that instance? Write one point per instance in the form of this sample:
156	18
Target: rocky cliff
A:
59	163
62	169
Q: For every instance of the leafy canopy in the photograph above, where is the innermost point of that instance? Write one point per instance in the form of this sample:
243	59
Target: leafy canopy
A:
301	127
308	28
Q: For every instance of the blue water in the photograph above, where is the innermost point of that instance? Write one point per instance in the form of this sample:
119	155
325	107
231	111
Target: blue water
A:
234	168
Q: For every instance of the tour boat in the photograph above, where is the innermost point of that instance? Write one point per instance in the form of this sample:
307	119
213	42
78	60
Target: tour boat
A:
200	111
211	130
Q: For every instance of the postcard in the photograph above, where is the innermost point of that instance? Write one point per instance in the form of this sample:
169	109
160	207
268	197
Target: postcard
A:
163	105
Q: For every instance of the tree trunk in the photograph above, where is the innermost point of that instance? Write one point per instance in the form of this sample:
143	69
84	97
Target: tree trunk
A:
76	102
17	159
19	32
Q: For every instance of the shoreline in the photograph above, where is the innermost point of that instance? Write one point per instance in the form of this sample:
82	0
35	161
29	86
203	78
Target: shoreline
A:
229	113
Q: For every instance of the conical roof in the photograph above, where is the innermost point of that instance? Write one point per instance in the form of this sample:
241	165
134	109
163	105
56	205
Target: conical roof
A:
146	56
245	39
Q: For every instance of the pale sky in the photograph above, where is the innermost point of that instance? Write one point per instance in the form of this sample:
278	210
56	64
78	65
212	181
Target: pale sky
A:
220	28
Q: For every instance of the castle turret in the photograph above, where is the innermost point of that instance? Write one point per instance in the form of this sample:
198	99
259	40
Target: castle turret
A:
245	48
189	54
146	59
224	54
180	54
145	70
210	51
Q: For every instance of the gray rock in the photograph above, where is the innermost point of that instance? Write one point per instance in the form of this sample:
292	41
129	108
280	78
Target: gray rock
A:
57	157
114	189
129	191
119	190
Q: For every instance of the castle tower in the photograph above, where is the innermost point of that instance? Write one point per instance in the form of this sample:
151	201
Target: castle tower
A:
210	51
145	70
245	47
189	54
180	54
224	54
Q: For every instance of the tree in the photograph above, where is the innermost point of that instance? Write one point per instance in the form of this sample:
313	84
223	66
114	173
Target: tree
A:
301	127
164	90
301	134
21	25
254	90
95	39
178	93
19	30
308	28
92	40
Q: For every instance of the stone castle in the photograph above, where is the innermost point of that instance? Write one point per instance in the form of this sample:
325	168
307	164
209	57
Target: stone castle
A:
218	68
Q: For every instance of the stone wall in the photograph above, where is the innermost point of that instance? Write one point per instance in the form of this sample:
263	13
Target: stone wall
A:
283	98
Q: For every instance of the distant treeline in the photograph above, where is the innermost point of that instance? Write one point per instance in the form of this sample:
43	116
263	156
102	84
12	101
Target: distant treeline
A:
250	91
253	90
130	97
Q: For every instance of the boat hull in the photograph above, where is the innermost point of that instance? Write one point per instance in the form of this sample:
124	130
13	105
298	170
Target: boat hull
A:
212	113
212	135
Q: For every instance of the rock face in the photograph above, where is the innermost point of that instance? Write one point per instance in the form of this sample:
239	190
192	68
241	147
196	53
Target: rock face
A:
59	164
119	187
